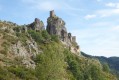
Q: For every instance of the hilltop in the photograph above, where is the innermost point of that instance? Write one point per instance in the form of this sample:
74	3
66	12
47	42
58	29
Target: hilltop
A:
31	52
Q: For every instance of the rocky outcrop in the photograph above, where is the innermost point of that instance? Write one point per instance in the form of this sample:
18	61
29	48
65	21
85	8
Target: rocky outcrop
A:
7	26
56	26
26	52
36	25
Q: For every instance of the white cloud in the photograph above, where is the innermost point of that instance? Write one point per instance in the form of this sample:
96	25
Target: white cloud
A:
90	16
113	5
105	12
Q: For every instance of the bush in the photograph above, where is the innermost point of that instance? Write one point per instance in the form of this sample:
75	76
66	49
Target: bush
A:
50	63
5	75
45	35
106	67
22	37
36	36
23	73
54	38
73	64
17	29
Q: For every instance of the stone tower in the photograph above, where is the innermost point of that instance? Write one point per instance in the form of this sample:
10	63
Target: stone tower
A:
73	38
52	13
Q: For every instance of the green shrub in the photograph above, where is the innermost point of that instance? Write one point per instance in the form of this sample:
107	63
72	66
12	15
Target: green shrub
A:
54	38
106	67
45	35
22	72
37	36
17	29
50	64
5	75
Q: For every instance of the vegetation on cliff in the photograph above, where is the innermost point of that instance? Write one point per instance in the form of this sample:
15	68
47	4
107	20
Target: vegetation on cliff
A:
54	61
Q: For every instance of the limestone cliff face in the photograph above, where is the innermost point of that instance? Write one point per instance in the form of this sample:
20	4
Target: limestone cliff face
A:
13	46
27	52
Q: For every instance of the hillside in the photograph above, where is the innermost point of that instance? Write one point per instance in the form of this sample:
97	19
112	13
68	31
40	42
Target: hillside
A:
113	62
29	52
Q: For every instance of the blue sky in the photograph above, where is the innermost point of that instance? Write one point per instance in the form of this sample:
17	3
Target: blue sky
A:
94	22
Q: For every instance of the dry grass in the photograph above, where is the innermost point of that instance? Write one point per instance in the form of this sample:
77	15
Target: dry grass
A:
1	42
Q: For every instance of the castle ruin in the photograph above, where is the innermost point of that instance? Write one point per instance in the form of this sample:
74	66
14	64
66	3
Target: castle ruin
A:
74	38
56	26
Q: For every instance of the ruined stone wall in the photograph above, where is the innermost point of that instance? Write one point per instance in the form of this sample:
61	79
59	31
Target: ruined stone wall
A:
73	38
